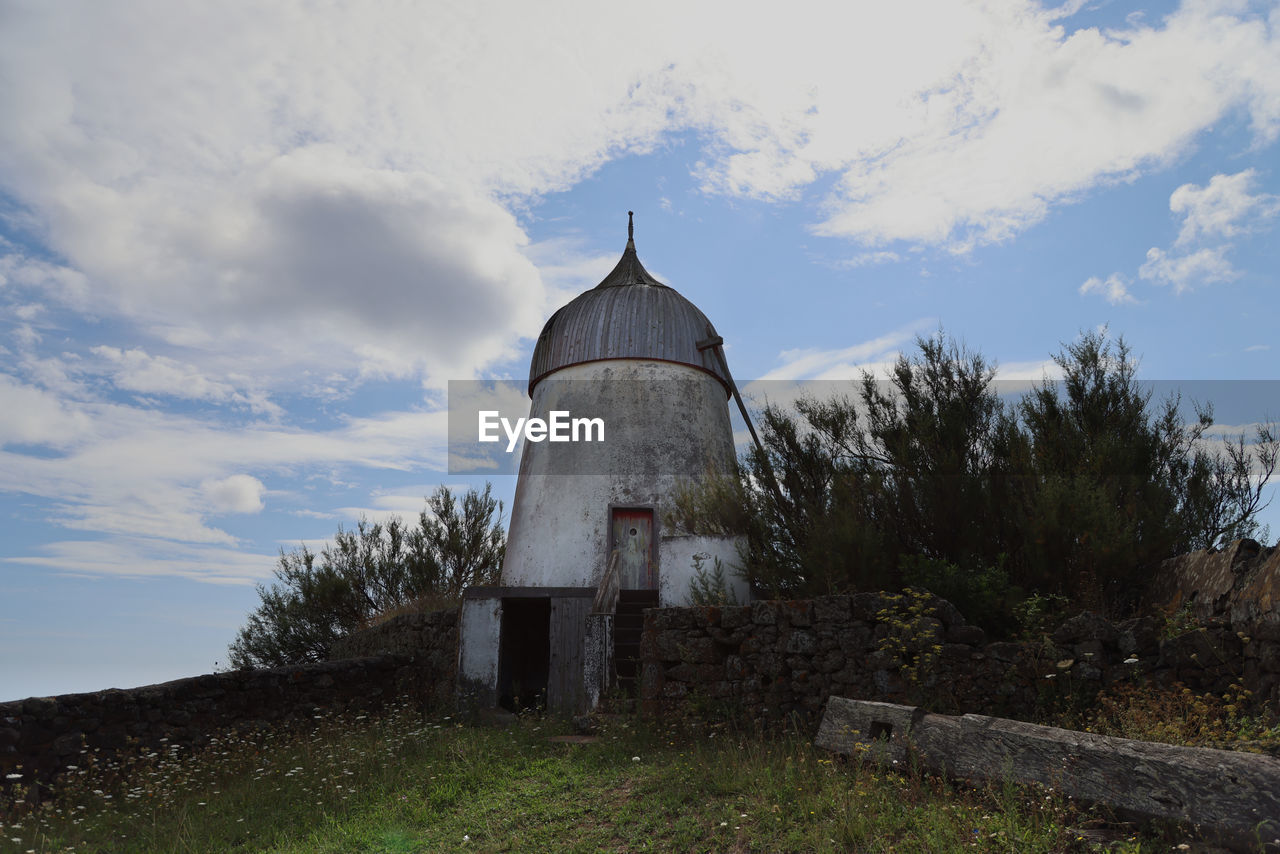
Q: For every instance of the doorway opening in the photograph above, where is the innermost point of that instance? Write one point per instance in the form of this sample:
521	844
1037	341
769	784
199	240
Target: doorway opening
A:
524	654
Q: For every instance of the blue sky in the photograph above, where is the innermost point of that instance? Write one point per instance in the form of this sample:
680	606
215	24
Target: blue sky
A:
244	248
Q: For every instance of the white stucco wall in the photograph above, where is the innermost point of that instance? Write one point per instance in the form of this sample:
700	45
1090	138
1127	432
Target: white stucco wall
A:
677	566
479	633
665	424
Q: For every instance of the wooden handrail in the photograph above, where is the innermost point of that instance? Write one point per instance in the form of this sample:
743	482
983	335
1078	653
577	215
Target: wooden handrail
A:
606	601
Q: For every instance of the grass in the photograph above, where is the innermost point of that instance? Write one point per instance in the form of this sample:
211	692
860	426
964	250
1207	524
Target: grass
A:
402	782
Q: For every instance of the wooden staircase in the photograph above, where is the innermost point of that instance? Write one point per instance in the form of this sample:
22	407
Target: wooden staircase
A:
628	624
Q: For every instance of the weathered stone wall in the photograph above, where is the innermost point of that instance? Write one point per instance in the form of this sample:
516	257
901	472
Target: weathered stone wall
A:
42	735
776	660
412	657
1234	596
429	640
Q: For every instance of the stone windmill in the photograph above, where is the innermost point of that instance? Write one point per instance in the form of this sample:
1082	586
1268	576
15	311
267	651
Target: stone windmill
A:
587	548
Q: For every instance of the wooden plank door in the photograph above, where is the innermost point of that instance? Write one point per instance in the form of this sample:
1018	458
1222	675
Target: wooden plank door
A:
632	538
565	689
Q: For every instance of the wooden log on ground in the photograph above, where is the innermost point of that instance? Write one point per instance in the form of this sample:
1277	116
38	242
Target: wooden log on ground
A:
1229	796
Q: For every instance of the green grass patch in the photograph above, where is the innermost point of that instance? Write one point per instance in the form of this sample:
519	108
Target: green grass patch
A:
402	782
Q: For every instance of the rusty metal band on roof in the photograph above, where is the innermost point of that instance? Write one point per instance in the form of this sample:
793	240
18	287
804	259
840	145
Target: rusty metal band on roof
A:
629	315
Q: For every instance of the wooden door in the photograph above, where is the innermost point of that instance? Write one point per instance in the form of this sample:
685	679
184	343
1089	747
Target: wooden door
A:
632	539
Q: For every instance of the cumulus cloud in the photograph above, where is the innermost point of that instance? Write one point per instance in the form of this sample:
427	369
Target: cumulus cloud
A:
1115	289
272	214
1002	114
239	493
1212	216
1184	271
35	417
292	194
1223	209
135	370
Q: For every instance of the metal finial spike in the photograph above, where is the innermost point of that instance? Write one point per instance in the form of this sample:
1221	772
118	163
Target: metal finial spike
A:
631	226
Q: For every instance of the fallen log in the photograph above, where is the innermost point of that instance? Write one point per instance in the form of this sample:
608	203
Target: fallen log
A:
1230	797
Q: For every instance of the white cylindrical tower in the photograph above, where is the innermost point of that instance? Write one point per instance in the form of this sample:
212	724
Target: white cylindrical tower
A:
635	354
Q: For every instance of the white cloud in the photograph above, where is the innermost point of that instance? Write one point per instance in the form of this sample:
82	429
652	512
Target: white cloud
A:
1015	116
35	417
1212	216
1015	374
239	493
304	202
864	259
1223	209
62	283
1115	289
140	557
305	198
832	373
1185	271
135	370
844	363
130	471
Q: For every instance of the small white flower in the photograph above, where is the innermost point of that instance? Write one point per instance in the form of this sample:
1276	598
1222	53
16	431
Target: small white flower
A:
466	837
635	758
1131	660
13	776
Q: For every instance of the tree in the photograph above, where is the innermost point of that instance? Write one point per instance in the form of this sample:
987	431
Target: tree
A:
912	467
1079	489
1122	483
370	570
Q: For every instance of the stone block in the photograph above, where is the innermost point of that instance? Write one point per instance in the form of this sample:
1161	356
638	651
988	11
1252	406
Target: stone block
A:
798	612
735	616
971	635
832	609
1138	636
665	619
706	616
40	708
700	649
1086	626
1006	651
946	612
759	639
801	642
68	744
764	613
769	664
830	662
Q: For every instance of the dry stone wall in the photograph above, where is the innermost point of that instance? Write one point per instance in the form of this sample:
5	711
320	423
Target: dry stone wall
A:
780	660
41	736
1232	597
409	658
429	640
